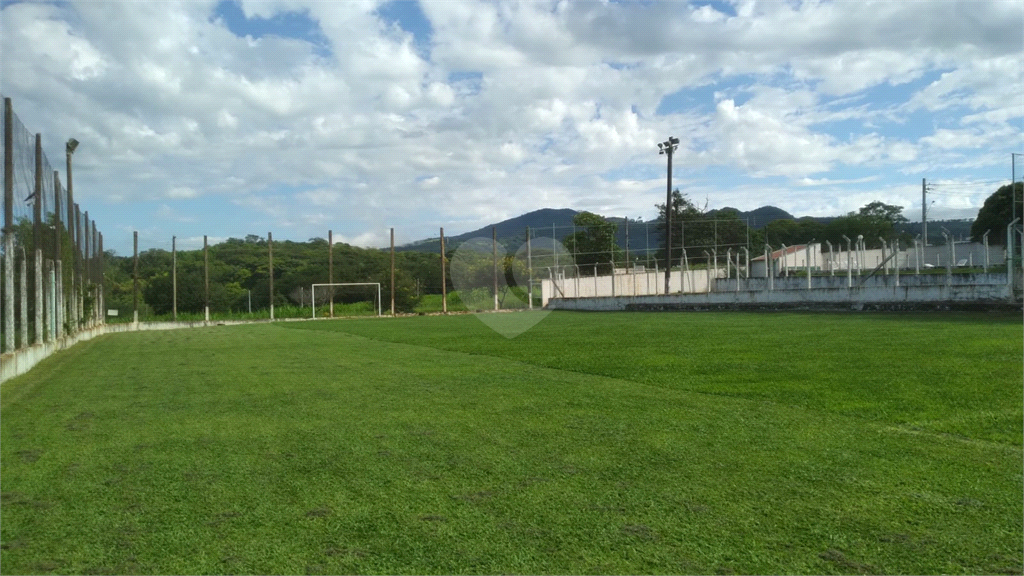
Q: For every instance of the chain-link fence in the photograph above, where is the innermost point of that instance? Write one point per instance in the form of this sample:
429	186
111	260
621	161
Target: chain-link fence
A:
52	263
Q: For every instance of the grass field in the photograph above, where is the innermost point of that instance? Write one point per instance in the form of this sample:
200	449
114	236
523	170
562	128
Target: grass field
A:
593	443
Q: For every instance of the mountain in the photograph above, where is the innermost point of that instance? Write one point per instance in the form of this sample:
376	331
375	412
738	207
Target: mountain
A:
758	217
511	232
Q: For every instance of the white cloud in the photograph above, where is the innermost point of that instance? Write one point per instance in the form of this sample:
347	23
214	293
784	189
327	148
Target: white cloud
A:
510	107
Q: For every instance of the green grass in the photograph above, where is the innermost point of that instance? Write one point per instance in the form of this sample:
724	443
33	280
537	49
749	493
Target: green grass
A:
618	443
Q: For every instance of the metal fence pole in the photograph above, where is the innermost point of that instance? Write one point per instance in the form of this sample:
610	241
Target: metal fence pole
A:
206	279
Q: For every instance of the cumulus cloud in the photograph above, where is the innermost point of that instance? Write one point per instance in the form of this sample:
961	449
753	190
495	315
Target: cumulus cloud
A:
499	108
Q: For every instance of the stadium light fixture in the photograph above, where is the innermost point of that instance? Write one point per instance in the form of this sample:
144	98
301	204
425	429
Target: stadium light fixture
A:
668	147
71	145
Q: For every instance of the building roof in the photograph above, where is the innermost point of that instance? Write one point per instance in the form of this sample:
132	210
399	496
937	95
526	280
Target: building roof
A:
788	250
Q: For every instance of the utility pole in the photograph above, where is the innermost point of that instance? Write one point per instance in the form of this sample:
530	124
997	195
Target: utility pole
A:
668	147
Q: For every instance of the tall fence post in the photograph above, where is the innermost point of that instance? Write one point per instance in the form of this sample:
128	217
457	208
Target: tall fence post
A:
97	277
174	278
270	255
72	289
494	252
206	279
392	272
330	270
102	277
135	278
896	258
58	301
37	243
79	281
49	296
529	267
807	263
86	279
8	230
444	279
23	297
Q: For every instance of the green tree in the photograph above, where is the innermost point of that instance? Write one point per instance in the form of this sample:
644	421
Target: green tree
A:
593	243
996	213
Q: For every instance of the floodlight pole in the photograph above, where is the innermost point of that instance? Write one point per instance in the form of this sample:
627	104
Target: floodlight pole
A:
668	147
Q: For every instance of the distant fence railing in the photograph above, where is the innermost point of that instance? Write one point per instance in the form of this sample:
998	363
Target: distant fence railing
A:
51	251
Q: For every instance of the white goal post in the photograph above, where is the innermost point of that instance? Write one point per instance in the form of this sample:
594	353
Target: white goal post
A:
312	292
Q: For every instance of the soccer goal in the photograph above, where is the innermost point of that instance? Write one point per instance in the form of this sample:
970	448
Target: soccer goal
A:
313	300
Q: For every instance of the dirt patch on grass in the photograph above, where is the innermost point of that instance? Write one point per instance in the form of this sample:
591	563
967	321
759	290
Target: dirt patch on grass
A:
475	496
318	512
79	422
639	531
223	517
839	559
29	455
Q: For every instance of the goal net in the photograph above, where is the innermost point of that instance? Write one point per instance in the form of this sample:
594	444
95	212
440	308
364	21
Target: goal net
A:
323	293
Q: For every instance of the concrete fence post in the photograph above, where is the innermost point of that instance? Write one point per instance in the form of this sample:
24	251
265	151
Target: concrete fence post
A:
49	296
737	270
984	240
807	263
596	291
707	269
8	229
896	257
746	271
728	264
38	295
916	255
24	299
831	262
59	299
768	267
885	261
849	263
714	258
37	243
860	253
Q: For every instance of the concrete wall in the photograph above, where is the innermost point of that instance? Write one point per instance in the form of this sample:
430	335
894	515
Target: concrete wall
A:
627	283
858	298
909	258
16	363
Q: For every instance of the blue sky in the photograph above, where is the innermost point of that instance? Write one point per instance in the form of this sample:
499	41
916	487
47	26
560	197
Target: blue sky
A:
232	118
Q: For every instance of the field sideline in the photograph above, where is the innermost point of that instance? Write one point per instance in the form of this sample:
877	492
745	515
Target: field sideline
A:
593	443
